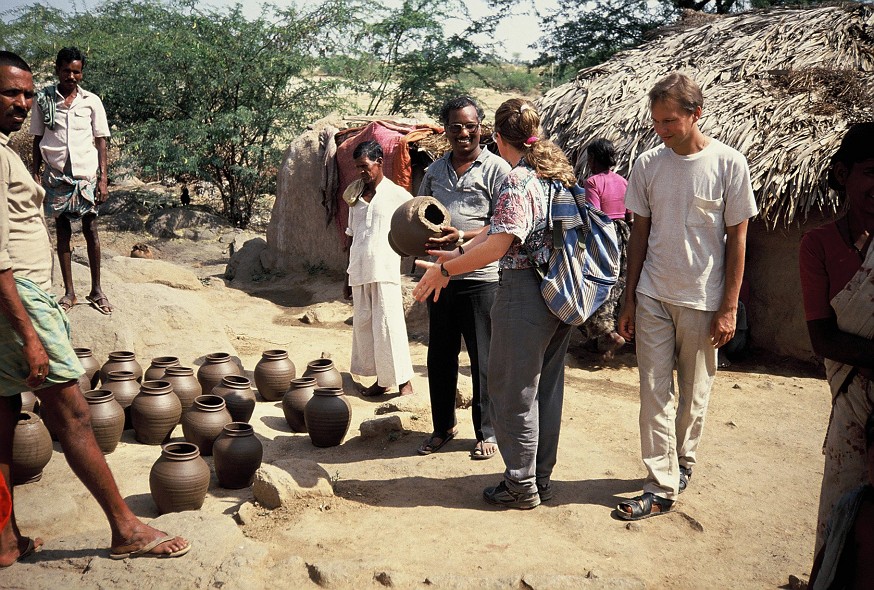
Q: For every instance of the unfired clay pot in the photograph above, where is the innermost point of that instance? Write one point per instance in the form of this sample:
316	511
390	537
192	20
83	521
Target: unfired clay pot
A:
121	360
185	385
273	373
158	366
107	418
31	449
205	420
295	400
29	402
239	397
155	412
328	415
415	222
215	366
324	372
91	366
179	479
238	455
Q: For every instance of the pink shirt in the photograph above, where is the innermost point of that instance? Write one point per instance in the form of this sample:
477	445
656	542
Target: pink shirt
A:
606	191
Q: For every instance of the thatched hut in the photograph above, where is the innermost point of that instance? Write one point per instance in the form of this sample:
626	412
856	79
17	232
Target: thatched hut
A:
781	86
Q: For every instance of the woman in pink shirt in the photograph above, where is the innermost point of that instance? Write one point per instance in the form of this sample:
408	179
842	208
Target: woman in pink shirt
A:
605	190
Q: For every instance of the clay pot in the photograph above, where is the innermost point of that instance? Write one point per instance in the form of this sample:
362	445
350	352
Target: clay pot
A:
215	366
273	373
203	423
31	449
185	385
29	402
91	366
121	360
295	400
107	418
324	372
328	415
179	478
238	455
158	366
124	388
415	222
239	396
155	412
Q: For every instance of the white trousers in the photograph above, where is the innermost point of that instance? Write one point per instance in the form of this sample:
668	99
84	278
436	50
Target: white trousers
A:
379	334
671	336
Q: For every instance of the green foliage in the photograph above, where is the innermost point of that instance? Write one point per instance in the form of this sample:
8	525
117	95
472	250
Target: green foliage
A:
197	93
503	77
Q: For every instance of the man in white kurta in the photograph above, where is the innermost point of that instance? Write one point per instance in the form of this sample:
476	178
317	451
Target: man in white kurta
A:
379	331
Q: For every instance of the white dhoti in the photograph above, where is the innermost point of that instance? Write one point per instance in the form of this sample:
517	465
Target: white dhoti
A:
379	334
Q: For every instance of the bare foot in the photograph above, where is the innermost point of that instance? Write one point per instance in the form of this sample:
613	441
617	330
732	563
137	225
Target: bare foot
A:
25	547
406	388
614	343
150	542
484	450
374	390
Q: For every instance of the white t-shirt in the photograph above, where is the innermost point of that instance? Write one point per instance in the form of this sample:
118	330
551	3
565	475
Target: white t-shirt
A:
690	200
371	259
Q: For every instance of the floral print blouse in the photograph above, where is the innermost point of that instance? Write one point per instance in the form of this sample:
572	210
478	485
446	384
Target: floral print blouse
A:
521	210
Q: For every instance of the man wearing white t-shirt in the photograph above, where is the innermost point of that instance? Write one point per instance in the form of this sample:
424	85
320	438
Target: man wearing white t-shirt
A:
692	199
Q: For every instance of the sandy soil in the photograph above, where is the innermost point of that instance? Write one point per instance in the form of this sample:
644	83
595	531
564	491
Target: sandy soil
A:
746	521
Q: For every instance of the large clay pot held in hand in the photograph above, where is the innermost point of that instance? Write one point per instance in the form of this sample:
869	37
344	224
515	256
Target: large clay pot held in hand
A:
185	385
31	449
107	418
238	395
414	223
155	412
91	366
203	423
121	360
179	478
273	373
214	368
328	415
237	455
295	400
158	366
324	372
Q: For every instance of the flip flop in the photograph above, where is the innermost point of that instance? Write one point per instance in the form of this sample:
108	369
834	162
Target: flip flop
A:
31	549
100	303
66	303
479	451
374	391
145	550
429	447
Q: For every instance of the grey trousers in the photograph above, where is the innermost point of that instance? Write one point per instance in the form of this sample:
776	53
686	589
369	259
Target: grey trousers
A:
526	379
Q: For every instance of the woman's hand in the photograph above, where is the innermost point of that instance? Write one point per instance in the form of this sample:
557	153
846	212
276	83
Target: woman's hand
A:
432	281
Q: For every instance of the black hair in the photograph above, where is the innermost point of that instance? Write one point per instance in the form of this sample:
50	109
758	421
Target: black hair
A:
456	104
602	151
68	55
370	149
7	58
857	145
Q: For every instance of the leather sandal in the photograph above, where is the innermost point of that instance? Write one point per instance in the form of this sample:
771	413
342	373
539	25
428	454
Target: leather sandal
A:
643	506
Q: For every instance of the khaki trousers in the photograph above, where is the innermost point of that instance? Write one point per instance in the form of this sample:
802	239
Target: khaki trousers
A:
670	336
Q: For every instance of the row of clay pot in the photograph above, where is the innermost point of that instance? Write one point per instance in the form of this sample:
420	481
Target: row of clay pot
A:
179	479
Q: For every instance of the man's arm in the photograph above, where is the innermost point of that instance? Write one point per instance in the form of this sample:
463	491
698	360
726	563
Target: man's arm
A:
638	245
725	321
12	308
103	181
36	156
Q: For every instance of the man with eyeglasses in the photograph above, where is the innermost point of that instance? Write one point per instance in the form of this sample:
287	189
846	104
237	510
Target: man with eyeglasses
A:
464	180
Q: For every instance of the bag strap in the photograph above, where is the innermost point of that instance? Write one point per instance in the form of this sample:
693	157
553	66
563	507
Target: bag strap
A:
541	269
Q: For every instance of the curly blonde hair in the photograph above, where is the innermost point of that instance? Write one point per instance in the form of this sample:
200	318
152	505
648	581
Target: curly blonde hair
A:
518	122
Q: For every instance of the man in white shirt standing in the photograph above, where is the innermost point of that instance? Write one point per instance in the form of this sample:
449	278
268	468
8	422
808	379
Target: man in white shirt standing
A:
379	331
692	199
70	131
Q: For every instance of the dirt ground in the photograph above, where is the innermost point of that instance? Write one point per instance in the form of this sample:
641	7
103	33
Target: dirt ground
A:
746	521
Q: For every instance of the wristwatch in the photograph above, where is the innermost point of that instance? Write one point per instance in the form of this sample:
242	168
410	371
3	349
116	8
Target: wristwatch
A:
443	271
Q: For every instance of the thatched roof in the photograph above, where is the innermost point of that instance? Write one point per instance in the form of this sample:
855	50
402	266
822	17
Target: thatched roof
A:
781	86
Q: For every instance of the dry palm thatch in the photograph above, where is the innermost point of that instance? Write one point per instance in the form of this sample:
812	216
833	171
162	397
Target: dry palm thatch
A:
781	86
